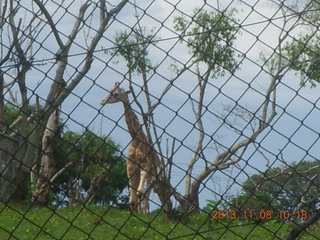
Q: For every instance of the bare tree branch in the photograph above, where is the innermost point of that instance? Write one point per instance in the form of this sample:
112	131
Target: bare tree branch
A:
302	226
57	174
3	9
87	62
31	126
94	184
62	57
1	99
50	22
224	160
202	82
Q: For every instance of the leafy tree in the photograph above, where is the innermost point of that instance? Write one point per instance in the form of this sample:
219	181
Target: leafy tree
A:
99	172
281	188
300	52
212	205
132	46
25	45
304	57
96	165
10	113
254	203
210	37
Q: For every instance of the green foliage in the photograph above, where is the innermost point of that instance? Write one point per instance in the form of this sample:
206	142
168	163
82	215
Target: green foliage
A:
210	37
304	57
10	114
132	46
212	205
281	189
303	52
253	202
95	158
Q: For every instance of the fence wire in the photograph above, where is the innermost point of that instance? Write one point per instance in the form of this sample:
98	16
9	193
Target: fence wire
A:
159	119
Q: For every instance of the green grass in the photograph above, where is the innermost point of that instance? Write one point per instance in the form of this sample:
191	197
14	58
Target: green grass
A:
25	222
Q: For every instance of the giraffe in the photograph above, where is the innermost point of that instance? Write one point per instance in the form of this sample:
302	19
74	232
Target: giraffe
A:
142	160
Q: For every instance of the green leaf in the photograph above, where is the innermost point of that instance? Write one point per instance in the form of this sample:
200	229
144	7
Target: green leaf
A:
210	36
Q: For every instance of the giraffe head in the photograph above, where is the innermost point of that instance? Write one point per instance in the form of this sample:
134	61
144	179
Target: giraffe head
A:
117	94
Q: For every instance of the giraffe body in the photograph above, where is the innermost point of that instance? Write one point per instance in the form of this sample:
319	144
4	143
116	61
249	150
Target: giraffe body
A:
142	160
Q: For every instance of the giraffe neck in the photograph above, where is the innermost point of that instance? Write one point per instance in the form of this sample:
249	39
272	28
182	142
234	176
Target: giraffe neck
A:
134	127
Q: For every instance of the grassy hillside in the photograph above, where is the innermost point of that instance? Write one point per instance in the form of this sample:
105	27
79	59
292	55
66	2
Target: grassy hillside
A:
25	222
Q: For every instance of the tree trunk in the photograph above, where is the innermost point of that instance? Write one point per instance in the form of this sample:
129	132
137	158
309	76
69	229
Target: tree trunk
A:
20	157
47	169
164	191
300	227
73	192
1	100
9	166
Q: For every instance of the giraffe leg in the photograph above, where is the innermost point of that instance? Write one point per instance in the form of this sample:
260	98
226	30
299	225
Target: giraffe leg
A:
141	189
134	178
146	198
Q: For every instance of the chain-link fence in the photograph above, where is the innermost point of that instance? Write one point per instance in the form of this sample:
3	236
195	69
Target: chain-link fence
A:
159	119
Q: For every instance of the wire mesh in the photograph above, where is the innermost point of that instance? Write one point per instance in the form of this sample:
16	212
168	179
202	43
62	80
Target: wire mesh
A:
214	103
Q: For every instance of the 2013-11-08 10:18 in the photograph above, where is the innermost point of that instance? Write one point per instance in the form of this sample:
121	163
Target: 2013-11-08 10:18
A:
262	214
